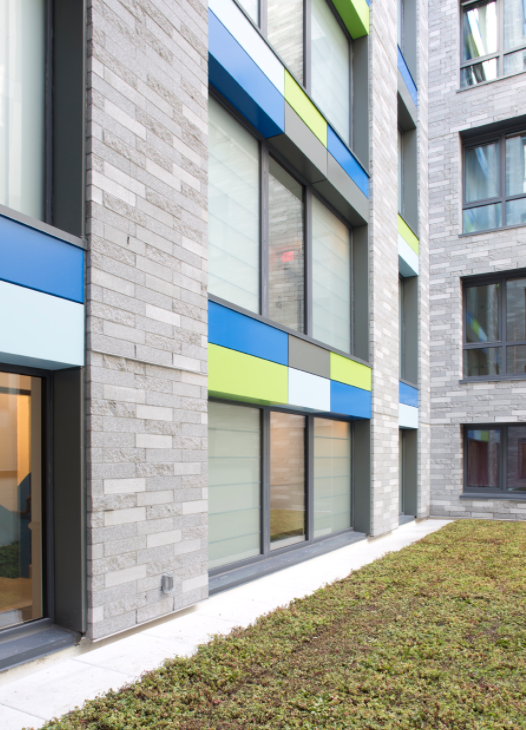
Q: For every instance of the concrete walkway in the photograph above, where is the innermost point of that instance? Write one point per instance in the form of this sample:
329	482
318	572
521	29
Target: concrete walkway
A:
50	687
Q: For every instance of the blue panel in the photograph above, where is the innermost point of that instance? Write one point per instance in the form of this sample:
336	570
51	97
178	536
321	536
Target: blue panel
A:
244	334
406	75
235	75
408	395
38	261
350	401
347	160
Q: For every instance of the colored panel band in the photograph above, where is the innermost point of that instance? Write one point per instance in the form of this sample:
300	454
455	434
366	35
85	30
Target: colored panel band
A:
236	331
349	401
355	15
235	75
407	416
235	375
408	235
408	79
347	160
350	372
35	260
309	391
408	261
408	395
305	109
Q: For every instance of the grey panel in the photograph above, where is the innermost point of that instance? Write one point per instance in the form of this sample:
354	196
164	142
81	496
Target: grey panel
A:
410	343
360	107
410	35
344	194
301	147
410	471
407	116
308	357
361	292
362	476
410	182
69	499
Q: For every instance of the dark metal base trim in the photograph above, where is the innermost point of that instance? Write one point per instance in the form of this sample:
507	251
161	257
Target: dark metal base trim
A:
21	644
404	519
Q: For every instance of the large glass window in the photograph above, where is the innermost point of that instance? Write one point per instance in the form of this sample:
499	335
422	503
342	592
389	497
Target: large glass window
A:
22	103
495	183
493	40
285	33
495	459
276	480
495	328
21	597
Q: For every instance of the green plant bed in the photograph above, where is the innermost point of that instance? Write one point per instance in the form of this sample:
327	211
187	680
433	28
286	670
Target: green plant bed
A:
433	636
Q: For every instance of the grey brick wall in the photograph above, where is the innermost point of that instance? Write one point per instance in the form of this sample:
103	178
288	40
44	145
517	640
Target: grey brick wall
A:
146	309
451	257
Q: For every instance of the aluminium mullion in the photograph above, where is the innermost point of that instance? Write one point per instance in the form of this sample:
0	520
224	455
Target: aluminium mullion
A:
264	230
309	463
307	55
263	17
265	482
307	233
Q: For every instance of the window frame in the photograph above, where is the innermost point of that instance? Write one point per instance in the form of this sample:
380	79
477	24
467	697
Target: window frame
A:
265	152
466	5
502	198
503	343
490	492
265	543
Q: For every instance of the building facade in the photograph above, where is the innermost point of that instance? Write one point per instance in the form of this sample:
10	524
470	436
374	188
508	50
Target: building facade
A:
218	213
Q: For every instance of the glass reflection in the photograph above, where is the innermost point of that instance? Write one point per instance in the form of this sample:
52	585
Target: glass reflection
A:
479	31
482	218
20	499
483	458
479	72
515	62
516	466
516	310
514	23
482	361
516	359
286	249
332	476
516	165
482	172
285	33
482	313
287	479
516	212
252	8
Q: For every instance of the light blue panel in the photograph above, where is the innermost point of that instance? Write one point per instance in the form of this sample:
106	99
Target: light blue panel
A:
235	75
350	401
347	160
236	331
408	260
407	416
38	261
39	329
408	395
406	75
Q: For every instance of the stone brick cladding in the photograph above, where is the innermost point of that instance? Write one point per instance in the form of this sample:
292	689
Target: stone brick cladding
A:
452	257
146	309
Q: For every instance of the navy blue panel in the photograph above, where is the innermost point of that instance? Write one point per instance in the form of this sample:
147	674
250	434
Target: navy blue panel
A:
347	160
408	395
235	75
406	75
38	261
236	331
350	401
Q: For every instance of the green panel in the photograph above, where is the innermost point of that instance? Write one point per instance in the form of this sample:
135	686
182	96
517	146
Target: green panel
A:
305	109
350	372
235	375
408	235
355	15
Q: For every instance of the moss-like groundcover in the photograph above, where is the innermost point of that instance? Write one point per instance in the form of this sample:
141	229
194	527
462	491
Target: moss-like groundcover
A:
431	637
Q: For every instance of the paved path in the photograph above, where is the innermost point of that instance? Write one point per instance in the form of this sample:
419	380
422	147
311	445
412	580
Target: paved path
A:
49	688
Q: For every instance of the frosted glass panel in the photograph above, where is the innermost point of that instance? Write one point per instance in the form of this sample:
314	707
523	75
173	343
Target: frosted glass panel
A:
287	479
22	85
234	461
286	250
330	67
233	210
331	278
332	476
285	33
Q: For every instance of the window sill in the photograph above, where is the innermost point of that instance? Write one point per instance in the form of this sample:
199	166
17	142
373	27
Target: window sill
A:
491	81
20	644
492	379
503	496
37	225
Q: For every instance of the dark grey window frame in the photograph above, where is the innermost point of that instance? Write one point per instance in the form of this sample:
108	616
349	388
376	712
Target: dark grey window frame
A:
266	552
503	343
262	26
500	53
265	152
502	198
490	492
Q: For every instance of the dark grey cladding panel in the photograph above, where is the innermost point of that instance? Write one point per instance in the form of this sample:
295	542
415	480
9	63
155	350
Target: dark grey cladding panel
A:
344	194
407	115
308	357
301	147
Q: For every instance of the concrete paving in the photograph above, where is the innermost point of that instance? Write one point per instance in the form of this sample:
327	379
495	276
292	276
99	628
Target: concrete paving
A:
37	692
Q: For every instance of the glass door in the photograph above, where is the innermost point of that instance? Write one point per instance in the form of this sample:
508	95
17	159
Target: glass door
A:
20	499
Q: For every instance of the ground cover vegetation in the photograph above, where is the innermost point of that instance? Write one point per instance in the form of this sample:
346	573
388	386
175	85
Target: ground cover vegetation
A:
433	636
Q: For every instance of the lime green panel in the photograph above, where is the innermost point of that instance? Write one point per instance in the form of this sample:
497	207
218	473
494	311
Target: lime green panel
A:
355	15
408	235
350	372
305	109
244	377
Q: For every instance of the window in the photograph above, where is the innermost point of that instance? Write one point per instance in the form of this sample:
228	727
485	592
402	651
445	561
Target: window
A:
277	480
494	182
400	173
495	459
495	328
264	227
493	40
312	41
400	25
